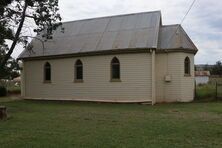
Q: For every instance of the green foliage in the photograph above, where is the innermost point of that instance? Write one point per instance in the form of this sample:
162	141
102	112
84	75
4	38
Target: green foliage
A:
3	91
11	69
217	69
13	14
207	67
206	91
73	124
13	90
12	87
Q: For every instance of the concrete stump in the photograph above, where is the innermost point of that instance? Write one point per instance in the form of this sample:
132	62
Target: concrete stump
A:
3	112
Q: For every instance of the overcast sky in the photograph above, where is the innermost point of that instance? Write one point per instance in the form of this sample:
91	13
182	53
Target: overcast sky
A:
203	24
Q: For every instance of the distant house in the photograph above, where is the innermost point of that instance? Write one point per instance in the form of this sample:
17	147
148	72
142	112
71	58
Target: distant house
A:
125	58
202	77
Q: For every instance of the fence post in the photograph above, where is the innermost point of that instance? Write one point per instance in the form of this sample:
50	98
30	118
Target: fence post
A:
3	112
216	91
195	91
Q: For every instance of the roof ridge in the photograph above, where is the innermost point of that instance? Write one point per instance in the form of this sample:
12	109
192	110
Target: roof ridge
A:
119	15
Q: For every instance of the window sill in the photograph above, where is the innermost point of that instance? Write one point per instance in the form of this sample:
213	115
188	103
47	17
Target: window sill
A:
78	81
115	80
187	75
47	82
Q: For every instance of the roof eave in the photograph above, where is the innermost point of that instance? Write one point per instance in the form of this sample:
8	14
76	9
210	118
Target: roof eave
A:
92	53
186	50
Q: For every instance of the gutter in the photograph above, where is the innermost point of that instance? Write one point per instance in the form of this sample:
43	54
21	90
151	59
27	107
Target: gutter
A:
92	53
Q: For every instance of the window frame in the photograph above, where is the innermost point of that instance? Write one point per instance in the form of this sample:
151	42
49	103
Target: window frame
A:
112	63
187	67
47	66
77	65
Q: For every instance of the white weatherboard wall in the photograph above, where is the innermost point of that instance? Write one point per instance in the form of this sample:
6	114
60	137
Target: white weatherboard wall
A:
135	85
181	87
188	82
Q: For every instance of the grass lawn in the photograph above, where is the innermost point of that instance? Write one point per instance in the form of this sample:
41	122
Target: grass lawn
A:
74	124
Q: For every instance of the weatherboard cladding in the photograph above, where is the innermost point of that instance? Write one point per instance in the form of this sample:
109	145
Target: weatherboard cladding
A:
132	31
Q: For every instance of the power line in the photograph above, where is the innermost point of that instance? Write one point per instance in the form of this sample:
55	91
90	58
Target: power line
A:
188	11
181	22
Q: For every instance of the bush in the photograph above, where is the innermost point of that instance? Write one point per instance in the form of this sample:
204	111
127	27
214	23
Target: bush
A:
3	91
205	91
14	91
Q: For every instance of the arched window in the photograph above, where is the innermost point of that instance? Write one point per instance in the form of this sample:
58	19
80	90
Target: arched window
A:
115	68
78	70
47	72
187	66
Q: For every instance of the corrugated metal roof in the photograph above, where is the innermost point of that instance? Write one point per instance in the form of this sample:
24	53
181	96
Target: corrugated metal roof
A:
131	31
202	73
174	37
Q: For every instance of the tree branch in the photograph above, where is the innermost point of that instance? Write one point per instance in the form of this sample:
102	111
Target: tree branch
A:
37	39
7	56
29	16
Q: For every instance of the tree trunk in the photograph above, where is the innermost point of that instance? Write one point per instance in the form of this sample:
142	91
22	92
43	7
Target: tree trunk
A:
7	56
3	112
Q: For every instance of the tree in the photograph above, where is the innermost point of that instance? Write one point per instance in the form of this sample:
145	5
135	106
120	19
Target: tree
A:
217	69
11	69
206	67
13	14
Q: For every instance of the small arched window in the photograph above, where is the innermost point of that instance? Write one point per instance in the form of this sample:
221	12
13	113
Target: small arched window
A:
187	66
115	69
47	72
78	70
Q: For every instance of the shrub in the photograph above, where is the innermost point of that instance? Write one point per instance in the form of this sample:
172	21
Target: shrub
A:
3	91
14	91
205	91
